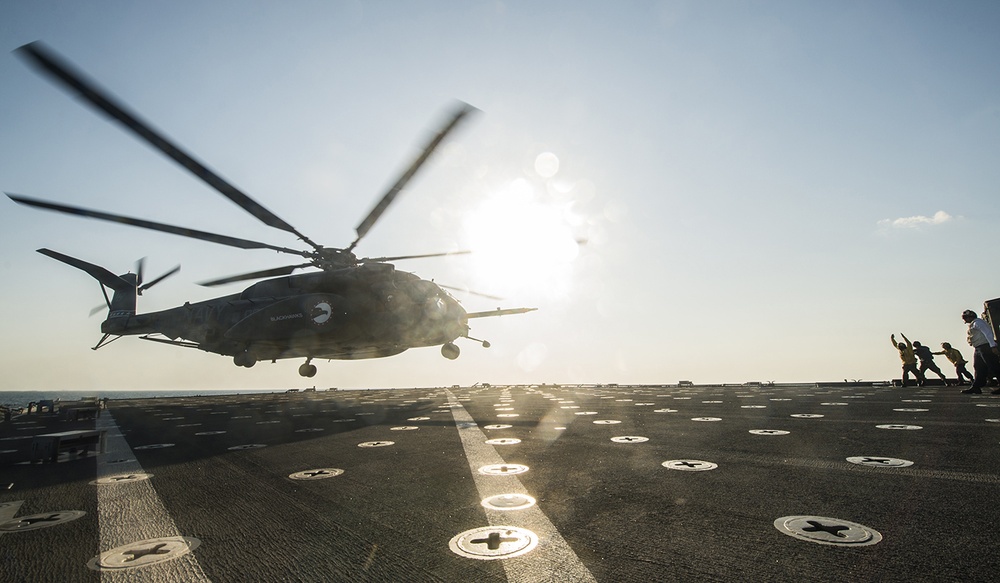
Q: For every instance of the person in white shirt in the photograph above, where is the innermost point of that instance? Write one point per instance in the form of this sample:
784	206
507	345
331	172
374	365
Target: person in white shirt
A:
985	363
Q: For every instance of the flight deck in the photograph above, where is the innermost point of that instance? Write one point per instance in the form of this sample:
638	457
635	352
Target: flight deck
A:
846	481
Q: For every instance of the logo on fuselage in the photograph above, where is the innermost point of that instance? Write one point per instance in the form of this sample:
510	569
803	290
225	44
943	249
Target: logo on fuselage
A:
321	313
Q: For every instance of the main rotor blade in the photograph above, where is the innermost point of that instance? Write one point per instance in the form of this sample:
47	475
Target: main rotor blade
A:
48	61
96	271
184	232
499	312
274	272
463	110
400	257
469	291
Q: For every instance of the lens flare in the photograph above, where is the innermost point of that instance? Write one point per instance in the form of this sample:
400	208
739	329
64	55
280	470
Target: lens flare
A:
520	242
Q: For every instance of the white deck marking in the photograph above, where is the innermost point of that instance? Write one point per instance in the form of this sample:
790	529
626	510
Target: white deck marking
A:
131	511
8	510
553	559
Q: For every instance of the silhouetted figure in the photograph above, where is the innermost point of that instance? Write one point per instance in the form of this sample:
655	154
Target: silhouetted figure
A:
908	358
927	362
985	362
958	360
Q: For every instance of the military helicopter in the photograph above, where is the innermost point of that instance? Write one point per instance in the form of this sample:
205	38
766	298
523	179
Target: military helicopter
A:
352	308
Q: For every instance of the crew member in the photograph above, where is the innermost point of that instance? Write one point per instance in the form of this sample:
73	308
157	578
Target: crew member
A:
908	358
985	363
956	359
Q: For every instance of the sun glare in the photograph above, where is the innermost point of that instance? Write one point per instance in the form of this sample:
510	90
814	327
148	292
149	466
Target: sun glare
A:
520	243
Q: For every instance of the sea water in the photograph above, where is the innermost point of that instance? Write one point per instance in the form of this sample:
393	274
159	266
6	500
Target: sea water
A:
22	398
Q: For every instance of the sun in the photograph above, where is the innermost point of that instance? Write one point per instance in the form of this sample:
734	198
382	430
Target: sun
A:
521	243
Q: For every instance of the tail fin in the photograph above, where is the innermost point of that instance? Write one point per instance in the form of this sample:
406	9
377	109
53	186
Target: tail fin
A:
122	303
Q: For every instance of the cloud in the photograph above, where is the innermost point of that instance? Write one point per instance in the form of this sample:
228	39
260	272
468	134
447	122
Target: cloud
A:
939	218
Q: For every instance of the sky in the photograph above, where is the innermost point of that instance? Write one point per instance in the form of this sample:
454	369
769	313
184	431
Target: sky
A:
768	190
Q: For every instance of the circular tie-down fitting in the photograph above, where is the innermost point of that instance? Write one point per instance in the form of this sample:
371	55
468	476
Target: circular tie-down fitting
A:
806	415
493	542
629	439
901	427
404	428
503	469
827	531
769	432
606	422
317	474
689	465
121	479
143	553
376	443
706	419
498	426
503	441
220	432
879	462
911	410
36	521
508	502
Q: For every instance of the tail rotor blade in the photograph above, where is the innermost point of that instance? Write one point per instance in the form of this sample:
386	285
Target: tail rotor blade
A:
143	288
140	267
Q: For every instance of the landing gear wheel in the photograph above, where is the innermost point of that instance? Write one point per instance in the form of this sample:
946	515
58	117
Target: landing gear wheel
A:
244	359
307	370
450	351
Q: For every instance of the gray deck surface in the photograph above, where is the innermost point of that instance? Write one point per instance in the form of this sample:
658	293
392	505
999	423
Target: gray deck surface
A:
605	511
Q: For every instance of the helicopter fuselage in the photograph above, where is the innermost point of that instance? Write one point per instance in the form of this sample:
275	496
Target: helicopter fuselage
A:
365	311
353	308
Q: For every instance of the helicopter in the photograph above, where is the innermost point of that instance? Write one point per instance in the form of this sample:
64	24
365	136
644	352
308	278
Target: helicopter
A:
351	308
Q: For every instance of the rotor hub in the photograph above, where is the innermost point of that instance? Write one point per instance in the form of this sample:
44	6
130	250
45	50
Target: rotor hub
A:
332	257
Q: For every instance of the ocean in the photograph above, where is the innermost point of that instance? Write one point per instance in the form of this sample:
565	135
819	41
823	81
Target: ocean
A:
22	398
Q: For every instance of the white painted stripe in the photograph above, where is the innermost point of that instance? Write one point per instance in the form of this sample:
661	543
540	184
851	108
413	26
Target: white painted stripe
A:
553	559
8	510
129	512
